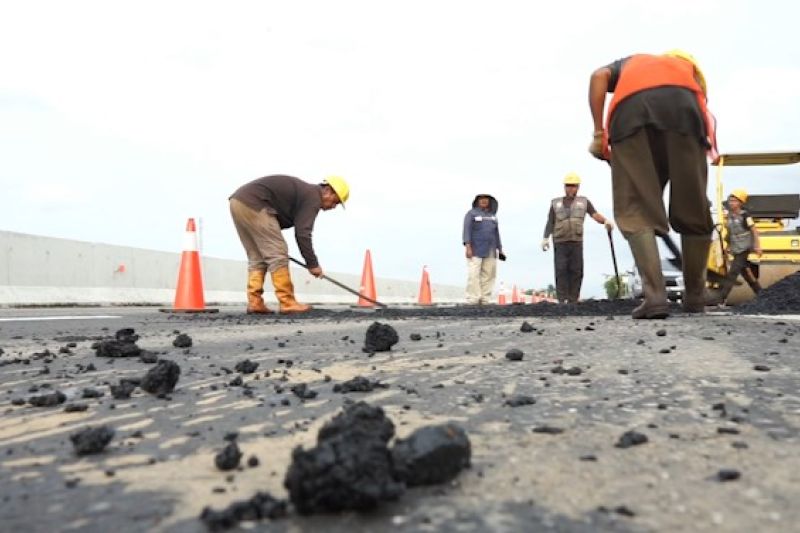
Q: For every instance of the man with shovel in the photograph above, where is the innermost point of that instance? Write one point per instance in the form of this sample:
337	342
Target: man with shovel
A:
565	224
657	130
260	210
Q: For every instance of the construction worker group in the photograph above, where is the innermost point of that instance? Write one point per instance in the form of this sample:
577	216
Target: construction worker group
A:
657	130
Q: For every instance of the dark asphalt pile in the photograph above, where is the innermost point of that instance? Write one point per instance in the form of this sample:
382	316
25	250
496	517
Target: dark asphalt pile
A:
779	299
349	469
352	467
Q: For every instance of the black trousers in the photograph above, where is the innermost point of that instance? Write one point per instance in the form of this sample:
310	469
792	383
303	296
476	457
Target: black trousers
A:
739	266
568	257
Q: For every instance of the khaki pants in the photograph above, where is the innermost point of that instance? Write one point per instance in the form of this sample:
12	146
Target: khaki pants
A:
261	237
641	166
480	280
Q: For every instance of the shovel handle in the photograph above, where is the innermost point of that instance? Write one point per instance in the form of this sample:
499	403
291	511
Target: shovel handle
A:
340	285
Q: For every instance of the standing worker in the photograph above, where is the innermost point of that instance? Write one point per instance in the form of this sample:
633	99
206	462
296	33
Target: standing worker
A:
482	245
658	130
260	210
742	241
565	223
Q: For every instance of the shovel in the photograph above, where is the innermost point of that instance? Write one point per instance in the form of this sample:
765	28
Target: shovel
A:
341	285
614	258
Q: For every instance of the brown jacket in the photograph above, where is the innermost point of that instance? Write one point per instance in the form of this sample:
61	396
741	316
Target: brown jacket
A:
294	202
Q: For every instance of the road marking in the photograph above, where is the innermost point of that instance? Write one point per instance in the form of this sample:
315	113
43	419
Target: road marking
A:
42	318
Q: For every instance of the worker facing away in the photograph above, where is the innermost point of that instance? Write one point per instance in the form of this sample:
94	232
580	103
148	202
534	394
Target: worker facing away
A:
260	210
658	130
482	247
743	240
565	224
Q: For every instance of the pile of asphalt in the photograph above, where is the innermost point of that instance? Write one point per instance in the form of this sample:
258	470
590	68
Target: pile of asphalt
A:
544	309
779	299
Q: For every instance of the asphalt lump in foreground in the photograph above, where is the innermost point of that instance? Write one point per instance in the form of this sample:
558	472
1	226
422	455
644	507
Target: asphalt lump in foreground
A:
380	338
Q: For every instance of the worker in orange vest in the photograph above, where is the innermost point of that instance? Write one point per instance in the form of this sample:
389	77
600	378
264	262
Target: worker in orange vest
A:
658	130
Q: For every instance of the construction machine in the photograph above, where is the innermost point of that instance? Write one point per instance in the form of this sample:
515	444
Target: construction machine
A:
773	215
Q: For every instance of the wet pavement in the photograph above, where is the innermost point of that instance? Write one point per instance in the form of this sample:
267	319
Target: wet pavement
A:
602	424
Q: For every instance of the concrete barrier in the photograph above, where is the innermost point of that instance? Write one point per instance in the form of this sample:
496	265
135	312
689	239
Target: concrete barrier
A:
36	270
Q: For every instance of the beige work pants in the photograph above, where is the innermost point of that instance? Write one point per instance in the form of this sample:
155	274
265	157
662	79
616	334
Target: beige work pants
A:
261	237
480	279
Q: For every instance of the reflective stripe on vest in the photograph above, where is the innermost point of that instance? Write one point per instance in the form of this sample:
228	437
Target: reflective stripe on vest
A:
569	221
740	237
641	72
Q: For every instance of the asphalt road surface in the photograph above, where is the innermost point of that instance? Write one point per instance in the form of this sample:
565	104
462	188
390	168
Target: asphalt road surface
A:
717	398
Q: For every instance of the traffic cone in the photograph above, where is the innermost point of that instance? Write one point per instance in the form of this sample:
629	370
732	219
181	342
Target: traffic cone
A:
367	287
501	295
514	295
189	293
425	289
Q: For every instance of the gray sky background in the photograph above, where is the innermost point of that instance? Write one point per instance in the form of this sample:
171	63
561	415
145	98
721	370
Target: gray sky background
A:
118	120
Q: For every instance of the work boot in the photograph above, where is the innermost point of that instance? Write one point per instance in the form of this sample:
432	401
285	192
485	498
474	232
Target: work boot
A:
645	252
284	291
695	264
255	288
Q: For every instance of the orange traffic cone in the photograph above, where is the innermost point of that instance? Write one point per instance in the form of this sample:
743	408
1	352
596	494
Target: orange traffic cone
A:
514	295
501	295
367	283
425	289
189	294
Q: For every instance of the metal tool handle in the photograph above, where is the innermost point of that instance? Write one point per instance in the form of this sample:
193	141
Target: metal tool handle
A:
614	259
340	285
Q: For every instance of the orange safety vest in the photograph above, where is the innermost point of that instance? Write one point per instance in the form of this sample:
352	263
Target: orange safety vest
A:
641	72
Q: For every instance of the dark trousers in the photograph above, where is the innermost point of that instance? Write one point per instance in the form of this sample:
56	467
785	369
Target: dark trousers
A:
739	266
569	270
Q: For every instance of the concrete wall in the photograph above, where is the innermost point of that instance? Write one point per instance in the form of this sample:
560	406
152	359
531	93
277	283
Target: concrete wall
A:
37	270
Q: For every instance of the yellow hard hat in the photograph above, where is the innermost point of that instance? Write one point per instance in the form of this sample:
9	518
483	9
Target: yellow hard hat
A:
683	54
339	186
740	194
572	179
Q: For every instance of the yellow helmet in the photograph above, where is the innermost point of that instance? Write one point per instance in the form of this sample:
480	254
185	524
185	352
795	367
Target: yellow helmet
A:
683	54
572	179
339	186
740	194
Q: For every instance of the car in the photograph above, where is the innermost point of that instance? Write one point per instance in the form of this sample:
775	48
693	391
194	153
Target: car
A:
673	281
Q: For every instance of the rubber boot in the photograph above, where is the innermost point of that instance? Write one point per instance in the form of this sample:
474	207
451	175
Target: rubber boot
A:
284	291
645	252
255	288
695	264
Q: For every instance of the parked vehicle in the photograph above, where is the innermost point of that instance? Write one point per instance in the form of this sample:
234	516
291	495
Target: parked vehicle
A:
673	281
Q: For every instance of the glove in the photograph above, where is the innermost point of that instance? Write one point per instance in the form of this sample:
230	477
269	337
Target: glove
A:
596	146
609	225
501	256
545	244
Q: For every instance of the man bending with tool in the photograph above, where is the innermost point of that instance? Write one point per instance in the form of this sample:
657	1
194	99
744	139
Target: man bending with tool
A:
657	130
565	224
260	210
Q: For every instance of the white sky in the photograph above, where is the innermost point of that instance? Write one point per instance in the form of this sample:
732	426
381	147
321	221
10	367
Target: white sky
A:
118	120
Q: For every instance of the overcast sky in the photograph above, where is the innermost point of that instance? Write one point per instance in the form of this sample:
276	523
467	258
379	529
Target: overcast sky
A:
118	120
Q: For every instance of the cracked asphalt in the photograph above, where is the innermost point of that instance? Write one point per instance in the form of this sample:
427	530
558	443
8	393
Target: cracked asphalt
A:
713	395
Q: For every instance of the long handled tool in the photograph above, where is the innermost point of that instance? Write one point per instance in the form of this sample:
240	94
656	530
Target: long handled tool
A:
614	258
340	285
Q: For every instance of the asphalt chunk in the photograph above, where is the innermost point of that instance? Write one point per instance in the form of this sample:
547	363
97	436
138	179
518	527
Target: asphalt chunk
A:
161	379
229	457
380	338
631	438
182	341
91	440
514	355
431	455
260	507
